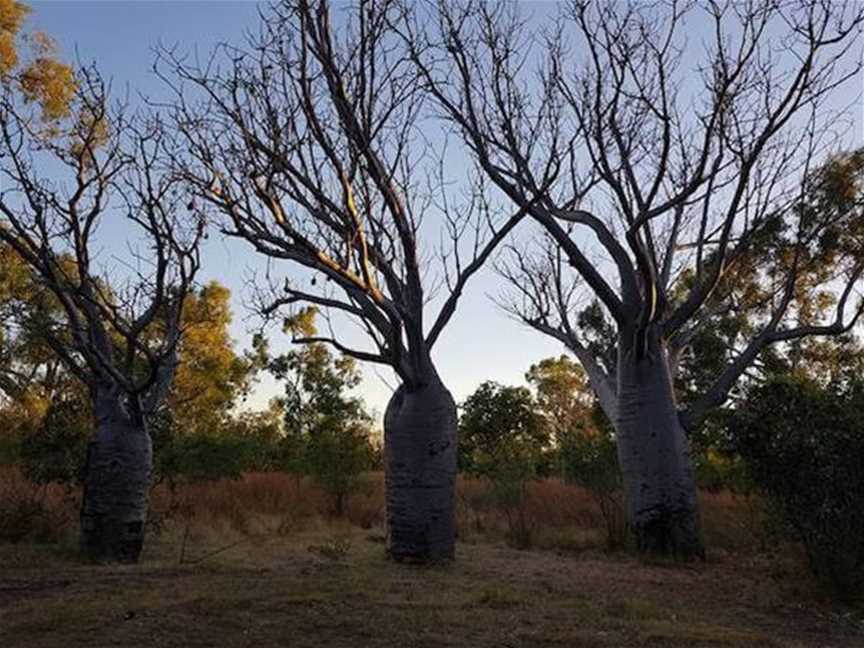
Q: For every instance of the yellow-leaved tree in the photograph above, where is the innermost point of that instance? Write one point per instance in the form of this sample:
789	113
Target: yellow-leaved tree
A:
211	377
29	65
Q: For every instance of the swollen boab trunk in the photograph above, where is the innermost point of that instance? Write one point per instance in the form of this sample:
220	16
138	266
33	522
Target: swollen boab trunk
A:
420	473
659	485
116	484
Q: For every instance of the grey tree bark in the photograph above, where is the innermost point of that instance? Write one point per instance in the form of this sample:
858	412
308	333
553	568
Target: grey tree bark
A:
420	469
116	486
659	485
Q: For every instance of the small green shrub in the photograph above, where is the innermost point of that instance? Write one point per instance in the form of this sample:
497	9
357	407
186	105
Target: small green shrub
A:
716	472
590	460
201	458
193	458
337	458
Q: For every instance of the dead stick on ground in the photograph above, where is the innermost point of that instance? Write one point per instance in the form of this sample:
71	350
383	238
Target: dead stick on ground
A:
214	553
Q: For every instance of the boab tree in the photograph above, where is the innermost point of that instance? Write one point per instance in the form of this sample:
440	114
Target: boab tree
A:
308	141
114	328
678	158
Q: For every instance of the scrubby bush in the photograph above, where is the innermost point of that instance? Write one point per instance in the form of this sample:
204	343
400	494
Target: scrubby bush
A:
179	459
589	459
248	442
503	439
718	471
202	457
804	446
31	512
337	458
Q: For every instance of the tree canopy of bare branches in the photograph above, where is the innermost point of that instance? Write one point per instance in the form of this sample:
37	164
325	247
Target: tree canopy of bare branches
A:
112	332
657	144
308	139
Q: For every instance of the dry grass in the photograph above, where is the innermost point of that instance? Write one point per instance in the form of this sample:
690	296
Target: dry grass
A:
31	513
264	565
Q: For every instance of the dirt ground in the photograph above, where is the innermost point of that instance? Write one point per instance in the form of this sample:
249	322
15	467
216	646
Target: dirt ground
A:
336	588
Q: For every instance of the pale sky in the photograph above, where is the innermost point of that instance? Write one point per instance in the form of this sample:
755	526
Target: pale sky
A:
480	343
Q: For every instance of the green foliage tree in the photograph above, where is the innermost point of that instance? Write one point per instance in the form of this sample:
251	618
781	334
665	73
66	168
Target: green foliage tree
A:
53	450
30	374
196	435
326	430
501	431
504	439
563	395
819	346
337	456
589	458
40	77
585	452
803	445
32	377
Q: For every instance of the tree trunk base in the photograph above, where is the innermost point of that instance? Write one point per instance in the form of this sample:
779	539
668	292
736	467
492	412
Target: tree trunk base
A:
671	533
107	539
421	538
420	474
116	489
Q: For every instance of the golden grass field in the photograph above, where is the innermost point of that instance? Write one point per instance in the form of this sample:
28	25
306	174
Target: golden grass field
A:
259	563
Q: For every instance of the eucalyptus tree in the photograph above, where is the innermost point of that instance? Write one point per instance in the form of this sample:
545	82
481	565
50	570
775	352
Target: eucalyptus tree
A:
656	165
309	141
28	369
113	323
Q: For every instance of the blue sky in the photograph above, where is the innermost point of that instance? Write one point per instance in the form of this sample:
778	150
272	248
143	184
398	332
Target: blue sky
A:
480	343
